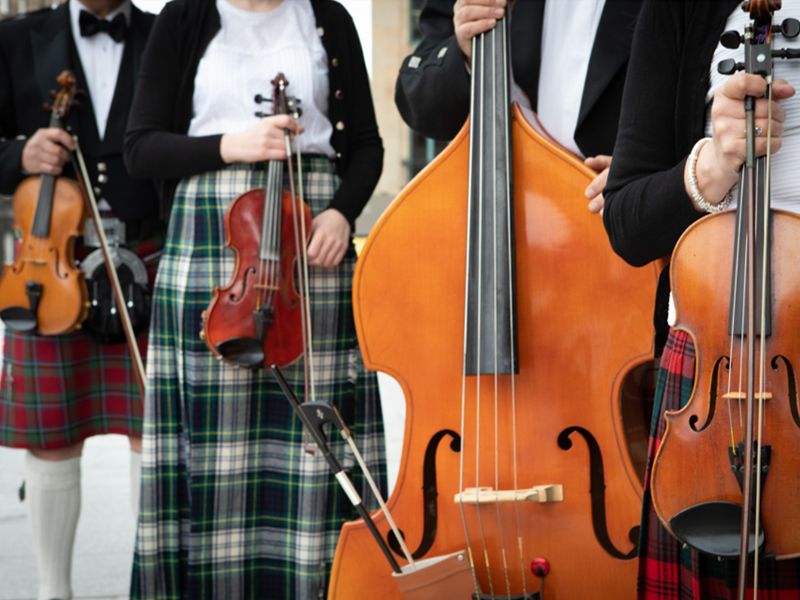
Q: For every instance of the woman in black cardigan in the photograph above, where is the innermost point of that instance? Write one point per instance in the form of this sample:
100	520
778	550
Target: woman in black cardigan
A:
664	177
234	504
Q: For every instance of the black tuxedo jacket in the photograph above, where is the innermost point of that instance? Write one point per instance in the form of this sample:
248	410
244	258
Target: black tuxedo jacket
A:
432	89
34	49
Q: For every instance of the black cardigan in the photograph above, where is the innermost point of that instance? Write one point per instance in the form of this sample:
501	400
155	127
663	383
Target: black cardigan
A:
663	115
156	144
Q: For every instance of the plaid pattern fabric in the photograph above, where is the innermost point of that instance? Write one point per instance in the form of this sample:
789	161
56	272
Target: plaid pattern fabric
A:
56	391
667	570
233	505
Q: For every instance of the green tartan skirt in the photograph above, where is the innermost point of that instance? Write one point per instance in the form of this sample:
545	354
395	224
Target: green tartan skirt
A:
235	503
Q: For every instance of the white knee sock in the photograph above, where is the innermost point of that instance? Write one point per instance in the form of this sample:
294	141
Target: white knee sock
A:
136	478
53	492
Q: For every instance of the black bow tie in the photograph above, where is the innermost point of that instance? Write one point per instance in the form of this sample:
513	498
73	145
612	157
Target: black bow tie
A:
90	25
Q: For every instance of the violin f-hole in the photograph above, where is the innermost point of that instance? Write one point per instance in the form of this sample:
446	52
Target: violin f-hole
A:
791	384
712	396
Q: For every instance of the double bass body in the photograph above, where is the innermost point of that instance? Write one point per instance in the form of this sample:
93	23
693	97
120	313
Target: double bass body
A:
583	324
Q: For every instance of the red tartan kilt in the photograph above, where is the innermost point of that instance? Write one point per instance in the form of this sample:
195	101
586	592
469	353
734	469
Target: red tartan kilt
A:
57	391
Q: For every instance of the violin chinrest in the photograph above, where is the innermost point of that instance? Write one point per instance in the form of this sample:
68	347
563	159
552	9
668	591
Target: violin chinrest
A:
714	528
19	319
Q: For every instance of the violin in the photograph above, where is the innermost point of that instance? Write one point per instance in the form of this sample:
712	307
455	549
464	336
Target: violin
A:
44	291
259	318
485	290
724	478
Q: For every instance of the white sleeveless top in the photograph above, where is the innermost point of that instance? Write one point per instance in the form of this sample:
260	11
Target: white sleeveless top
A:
248	51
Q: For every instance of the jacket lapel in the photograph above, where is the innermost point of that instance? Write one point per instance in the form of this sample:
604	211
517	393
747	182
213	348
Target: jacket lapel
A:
126	79
610	50
527	18
50	48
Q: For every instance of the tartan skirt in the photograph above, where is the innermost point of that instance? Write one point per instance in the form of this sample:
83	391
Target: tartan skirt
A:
667	570
235	503
55	391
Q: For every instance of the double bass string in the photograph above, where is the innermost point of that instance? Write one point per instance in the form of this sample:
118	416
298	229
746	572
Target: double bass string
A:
511	313
481	198
470	200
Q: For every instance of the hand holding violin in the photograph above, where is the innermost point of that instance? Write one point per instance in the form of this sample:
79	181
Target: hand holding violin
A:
472	17
719	162
263	141
45	152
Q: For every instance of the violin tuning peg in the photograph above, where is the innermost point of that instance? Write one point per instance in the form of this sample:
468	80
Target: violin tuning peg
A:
731	39
729	66
790	28
259	99
260	114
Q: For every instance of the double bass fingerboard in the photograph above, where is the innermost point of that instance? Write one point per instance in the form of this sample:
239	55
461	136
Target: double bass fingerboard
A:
490	328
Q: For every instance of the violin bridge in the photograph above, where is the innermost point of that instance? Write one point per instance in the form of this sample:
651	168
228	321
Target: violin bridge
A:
743	396
541	494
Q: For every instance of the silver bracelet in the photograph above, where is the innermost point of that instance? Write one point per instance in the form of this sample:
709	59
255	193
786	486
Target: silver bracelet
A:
691	175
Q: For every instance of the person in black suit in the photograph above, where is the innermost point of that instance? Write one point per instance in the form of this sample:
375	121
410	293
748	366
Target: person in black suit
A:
432	91
57	391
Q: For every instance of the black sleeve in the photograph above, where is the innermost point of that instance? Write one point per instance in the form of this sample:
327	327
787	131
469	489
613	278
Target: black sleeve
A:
364	147
646	205
432	90
10	147
153	147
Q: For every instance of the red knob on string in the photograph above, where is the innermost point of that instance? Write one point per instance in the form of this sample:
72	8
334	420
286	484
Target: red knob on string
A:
540	567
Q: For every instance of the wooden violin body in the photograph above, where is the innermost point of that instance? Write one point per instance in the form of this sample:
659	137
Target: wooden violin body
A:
44	291
693	466
231	318
584	322
45	261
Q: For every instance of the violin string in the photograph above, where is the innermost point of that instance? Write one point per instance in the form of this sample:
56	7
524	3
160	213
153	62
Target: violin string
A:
762	338
736	302
261	275
277	211
495	268
470	201
479	279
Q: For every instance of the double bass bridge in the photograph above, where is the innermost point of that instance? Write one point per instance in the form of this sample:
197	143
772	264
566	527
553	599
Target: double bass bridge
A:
540	494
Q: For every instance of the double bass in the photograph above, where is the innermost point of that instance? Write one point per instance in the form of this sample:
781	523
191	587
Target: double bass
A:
44	291
725	477
490	293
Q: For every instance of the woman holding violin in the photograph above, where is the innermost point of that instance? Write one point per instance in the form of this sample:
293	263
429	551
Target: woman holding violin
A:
681	153
235	502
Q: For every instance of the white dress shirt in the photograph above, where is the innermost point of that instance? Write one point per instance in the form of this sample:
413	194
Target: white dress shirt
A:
247	52
568	32
100	58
